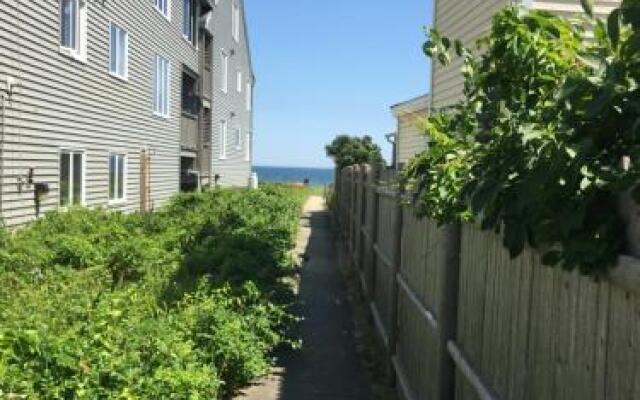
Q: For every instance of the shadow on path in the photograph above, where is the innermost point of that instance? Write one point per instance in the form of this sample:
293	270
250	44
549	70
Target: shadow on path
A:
327	367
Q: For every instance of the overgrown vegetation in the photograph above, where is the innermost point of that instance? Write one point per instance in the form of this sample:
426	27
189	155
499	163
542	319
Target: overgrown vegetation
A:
350	150
546	138
186	303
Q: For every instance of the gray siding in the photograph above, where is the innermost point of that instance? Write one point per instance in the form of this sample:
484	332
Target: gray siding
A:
66	104
235	169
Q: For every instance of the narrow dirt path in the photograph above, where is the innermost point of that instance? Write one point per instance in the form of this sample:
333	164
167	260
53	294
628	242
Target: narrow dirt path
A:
327	367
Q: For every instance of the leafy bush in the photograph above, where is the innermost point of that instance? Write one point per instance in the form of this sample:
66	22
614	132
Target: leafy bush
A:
349	150
185	303
536	148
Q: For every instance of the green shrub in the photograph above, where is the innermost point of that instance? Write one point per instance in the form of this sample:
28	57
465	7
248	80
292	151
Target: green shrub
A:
185	303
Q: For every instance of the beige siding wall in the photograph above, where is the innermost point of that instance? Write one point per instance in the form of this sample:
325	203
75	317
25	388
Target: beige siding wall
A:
568	7
411	138
469	20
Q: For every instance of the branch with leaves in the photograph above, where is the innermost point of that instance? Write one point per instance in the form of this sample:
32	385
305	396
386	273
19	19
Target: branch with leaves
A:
534	149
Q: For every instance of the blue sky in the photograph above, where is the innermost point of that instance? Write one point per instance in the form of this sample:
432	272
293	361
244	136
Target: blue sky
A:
330	67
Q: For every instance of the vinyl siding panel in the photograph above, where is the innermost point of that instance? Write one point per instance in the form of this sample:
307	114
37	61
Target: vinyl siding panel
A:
572	7
62	103
411	138
234	170
466	20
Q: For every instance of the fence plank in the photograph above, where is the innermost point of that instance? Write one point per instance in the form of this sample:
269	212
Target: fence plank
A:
530	332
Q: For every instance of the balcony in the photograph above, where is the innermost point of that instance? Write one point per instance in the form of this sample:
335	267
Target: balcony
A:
189	131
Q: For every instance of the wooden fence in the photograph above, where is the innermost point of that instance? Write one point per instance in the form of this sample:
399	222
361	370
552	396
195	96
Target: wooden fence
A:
460	319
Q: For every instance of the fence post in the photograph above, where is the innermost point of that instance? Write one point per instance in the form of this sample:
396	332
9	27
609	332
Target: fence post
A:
354	214
364	174
397	264
449	308
371	284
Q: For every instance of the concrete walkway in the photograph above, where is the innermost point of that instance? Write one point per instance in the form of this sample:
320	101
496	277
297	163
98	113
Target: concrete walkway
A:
327	367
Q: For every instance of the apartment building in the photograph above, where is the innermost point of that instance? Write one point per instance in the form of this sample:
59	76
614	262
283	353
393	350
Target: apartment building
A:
469	20
116	103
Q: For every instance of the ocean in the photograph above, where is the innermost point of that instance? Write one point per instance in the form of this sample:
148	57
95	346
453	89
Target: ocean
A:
316	176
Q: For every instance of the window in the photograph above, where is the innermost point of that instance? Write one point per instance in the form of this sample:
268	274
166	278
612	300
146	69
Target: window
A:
71	178
247	146
224	84
161	86
249	96
223	140
163	6
236	21
239	82
69	24
119	51
238	138
190	97
117	177
188	20
73	28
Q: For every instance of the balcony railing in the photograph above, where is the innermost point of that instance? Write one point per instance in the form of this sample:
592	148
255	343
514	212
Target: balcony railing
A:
189	131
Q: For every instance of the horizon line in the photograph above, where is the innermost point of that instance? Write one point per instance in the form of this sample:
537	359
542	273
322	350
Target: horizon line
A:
291	166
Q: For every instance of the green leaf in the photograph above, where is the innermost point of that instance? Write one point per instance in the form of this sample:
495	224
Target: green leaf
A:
552	258
613	27
635	194
631	12
587	6
515	236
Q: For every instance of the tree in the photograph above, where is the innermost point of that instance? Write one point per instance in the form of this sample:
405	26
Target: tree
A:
349	150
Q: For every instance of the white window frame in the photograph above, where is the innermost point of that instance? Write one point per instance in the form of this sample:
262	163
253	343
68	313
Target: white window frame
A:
125	53
189	18
161	86
157	4
125	172
83	181
247	146
249	96
79	49
235	20
224	76
223	140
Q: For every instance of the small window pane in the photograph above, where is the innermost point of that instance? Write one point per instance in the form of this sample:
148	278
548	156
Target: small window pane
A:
69	23
162	6
77	178
118	52
120	179
64	178
114	48
112	177
161	86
